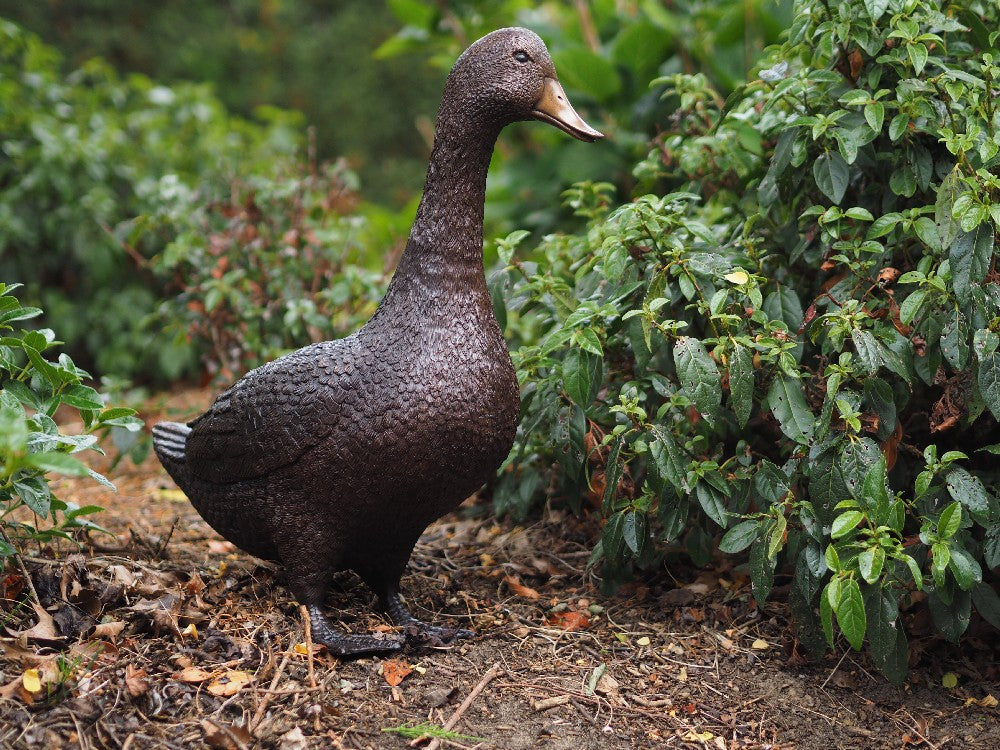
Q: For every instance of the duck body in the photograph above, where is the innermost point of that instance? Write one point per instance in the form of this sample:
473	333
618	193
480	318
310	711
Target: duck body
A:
338	455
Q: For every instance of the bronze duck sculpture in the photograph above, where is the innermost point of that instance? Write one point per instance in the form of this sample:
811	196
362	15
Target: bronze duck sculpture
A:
339	455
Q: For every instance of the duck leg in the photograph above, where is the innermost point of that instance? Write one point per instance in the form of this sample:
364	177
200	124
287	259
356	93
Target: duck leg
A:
309	582
347	644
417	631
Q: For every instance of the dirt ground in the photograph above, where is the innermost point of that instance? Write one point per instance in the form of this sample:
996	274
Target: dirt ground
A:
165	636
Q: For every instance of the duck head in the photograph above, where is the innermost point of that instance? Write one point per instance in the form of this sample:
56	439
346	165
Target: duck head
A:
508	76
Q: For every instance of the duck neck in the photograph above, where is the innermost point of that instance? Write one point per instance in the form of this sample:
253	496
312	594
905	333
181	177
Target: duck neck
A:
446	242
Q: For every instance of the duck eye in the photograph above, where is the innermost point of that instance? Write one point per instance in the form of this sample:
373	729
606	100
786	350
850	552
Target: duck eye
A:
521	56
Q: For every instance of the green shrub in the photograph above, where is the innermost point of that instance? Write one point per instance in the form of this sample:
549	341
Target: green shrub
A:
82	153
792	349
283	261
32	446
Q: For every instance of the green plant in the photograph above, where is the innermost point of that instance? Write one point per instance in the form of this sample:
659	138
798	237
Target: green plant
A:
427	729
803	325
32	446
82	155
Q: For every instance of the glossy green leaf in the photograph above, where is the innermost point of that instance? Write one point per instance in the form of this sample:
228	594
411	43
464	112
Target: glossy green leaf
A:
788	405
870	563
967	489
987	602
850	611
845	523
739	537
698	374
741	380
970	256
831	174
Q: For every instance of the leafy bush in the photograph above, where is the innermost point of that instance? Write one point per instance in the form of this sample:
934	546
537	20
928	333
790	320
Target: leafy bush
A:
281	262
793	343
83	153
32	446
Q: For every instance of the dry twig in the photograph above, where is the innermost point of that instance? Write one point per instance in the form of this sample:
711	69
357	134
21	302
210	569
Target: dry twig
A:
491	674
269	693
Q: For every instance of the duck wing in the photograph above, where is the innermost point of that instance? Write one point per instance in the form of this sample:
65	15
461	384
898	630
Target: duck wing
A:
275	414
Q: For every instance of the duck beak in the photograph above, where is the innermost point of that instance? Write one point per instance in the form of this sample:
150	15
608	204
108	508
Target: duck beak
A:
555	109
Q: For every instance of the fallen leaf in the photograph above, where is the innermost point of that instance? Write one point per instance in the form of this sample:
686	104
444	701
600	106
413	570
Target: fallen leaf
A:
609	687
988	701
293	740
225	737
569	620
194	585
31	680
519	589
190	630
698	736
172	495
219	547
760	645
192	674
547	703
12	689
229	683
439	696
949	680
644	641
43	632
110	630
136	680
122	576
11	587
395	671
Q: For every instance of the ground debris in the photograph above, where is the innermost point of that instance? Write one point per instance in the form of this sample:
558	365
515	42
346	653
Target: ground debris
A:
192	644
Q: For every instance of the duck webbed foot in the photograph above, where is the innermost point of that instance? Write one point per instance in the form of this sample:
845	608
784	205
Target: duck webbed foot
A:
347	644
417	632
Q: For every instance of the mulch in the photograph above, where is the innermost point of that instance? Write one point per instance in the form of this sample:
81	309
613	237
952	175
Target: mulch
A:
162	635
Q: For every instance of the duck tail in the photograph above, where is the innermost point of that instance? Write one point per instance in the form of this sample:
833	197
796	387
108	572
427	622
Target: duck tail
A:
170	444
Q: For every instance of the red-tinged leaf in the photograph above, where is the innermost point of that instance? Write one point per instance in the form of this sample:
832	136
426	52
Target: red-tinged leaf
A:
395	671
519	589
569	620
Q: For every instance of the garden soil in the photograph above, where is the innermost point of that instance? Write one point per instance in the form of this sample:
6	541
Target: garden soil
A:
162	635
